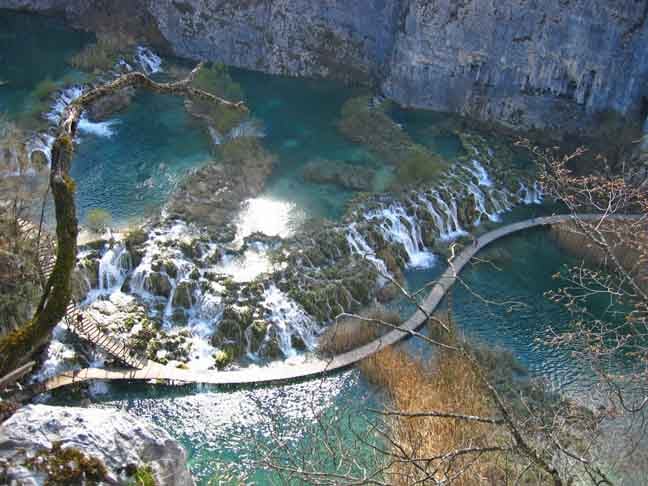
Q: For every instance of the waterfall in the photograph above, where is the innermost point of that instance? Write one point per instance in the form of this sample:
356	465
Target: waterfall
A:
249	128
41	142
148	60
454	229
115	263
530	195
288	319
65	97
398	226
359	245
217	138
480	173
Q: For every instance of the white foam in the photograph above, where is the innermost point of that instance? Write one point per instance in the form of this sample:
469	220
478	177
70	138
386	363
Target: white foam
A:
150	62
288	318
64	98
399	227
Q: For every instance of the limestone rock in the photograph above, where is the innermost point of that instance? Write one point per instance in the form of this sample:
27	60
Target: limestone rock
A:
120	441
342	174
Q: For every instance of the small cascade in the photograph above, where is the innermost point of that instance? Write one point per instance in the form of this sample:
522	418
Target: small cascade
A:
248	128
480	201
216	137
398	226
65	97
113	268
530	195
442	225
359	245
289	319
454	229
150	62
479	171
41	142
183	268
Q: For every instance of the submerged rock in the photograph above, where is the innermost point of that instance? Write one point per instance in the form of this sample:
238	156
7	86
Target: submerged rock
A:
111	442
107	106
343	174
212	195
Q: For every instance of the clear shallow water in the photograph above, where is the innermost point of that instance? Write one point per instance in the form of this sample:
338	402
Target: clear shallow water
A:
27	58
230	429
499	302
154	142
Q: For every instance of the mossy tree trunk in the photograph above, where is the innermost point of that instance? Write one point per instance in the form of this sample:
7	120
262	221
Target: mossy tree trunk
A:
19	346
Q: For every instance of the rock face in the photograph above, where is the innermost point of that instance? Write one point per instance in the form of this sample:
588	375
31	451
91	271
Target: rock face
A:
526	64
117	439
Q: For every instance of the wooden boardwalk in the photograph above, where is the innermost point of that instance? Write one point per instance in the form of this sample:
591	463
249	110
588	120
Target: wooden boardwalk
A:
272	374
77	321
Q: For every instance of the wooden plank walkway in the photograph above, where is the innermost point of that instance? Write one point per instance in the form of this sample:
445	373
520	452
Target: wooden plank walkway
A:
76	320
316	367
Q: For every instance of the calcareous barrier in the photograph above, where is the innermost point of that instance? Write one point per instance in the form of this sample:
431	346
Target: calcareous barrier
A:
316	367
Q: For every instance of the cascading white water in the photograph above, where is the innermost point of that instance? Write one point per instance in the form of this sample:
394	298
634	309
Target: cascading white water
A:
64	98
442	225
249	128
41	142
359	245
114	265
289	319
479	171
391	222
530	195
454	229
150	62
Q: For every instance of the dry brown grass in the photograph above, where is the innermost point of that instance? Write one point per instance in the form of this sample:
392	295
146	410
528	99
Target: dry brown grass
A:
448	383
350	333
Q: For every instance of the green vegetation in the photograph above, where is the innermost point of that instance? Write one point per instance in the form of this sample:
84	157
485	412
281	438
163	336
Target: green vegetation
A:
98	220
374	128
215	79
102	55
243	149
68	466
44	89
419	165
143	477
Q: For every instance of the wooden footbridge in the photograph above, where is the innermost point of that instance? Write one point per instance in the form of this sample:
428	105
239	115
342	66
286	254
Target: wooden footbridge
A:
144	370
77	321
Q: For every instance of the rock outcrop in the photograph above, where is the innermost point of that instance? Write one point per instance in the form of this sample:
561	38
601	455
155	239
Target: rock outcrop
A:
107	442
526	64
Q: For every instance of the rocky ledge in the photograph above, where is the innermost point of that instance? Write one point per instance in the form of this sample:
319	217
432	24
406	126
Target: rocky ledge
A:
67	445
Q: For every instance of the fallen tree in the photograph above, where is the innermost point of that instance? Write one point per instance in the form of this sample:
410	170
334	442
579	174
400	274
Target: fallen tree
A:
19	346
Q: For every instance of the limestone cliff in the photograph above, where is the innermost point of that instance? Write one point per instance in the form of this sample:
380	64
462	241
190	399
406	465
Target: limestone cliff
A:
524	63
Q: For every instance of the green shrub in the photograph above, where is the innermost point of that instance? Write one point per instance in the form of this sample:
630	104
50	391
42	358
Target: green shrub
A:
419	165
242	149
98	220
215	79
68	466
102	55
143	477
44	89
374	128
